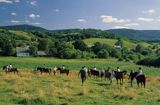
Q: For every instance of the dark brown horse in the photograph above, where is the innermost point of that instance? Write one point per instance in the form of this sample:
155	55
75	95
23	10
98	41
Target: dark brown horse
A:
44	70
14	70
94	73
120	76
63	71
140	79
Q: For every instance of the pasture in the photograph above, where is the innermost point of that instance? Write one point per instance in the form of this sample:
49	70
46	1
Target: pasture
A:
28	88
111	42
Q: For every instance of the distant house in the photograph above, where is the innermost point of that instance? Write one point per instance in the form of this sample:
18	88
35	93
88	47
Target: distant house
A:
117	47
41	53
22	51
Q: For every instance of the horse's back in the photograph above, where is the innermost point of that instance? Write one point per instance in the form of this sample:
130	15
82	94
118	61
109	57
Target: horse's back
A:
141	78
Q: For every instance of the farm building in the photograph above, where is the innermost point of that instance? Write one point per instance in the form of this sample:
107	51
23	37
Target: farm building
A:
41	53
22	51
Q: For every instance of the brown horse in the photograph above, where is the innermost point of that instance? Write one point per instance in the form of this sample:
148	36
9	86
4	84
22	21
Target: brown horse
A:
44	70
94	73
120	76
140	79
10	70
63	71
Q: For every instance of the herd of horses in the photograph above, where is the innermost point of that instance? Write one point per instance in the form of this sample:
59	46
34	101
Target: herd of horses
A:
103	74
106	74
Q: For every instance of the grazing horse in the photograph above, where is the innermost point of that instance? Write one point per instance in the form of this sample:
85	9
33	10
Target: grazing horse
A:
140	79
109	75
63	71
45	70
120	76
94	73
10	70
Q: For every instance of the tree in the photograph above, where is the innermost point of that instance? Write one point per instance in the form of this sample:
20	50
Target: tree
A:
79	44
119	42
8	49
139	48
33	50
100	46
43	44
103	54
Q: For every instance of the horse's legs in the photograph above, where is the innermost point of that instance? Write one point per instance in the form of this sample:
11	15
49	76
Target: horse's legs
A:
54	72
138	83
110	81
117	81
122	81
131	82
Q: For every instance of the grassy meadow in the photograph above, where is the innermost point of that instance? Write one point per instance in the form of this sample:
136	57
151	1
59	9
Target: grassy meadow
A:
111	42
27	88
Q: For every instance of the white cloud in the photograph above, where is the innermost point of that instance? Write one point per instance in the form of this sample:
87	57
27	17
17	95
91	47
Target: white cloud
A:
57	10
33	3
120	27
150	11
6	1
81	20
146	19
13	14
36	23
15	21
131	24
110	19
33	16
27	21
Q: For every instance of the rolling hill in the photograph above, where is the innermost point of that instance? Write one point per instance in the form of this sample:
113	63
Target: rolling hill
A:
128	33
137	34
24	27
111	42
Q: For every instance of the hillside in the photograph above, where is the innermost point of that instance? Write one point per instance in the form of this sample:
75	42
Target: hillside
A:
137	34
24	27
127	43
128	33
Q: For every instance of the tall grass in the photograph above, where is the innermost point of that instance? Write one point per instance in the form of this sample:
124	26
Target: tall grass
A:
35	89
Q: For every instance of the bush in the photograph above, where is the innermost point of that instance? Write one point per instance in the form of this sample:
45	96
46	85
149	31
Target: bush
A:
103	54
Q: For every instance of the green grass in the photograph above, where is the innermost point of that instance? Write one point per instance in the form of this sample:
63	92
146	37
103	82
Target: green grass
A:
27	88
21	33
72	64
111	42
35	89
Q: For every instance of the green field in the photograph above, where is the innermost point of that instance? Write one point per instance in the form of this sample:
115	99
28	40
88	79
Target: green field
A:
27	88
111	42
73	64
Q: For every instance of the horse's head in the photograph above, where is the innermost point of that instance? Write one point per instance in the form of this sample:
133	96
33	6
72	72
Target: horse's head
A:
59	69
38	68
133	74
89	72
4	67
124	72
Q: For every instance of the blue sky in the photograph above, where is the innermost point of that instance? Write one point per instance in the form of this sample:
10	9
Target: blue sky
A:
65	14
